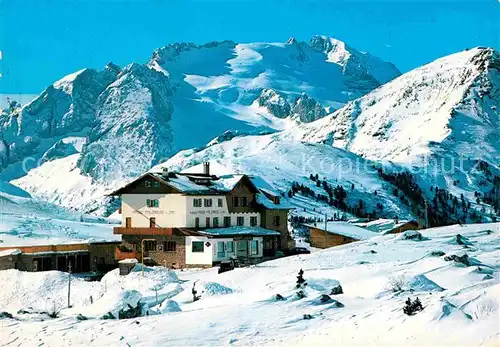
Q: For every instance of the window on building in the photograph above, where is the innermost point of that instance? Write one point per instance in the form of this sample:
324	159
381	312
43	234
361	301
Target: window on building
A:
240	221
208	202
152	203
253	221
236	201
276	220
227	222
128	222
229	247
220	202
149	246
221	252
152	222
207	222
196	202
147	184
156	184
244	201
197	247
197	222
254	247
169	246
216	222
242	246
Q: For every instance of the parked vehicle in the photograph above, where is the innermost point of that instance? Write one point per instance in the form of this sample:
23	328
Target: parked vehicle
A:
297	250
226	266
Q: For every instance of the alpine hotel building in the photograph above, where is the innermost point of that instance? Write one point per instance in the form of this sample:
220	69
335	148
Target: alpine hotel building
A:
198	219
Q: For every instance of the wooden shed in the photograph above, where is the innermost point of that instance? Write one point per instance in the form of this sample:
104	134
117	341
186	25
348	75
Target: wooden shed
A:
336	234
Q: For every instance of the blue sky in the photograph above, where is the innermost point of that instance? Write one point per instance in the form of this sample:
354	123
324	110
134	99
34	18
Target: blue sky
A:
42	41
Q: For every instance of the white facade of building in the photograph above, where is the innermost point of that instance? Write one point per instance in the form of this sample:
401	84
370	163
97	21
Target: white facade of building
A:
193	254
178	210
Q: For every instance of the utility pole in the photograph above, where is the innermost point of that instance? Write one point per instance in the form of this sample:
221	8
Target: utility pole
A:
426	216
326	230
69	284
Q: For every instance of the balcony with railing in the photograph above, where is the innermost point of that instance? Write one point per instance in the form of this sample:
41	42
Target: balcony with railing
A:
142	231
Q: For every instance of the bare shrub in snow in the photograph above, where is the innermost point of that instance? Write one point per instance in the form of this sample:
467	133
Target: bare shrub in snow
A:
487	307
396	284
54	310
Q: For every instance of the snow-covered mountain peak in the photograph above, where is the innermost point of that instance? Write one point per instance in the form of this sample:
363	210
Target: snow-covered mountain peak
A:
354	62
184	97
66	83
403	118
336	50
113	68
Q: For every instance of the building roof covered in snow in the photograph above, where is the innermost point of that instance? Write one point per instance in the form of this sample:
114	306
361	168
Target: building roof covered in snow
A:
206	184
384	226
345	229
10	252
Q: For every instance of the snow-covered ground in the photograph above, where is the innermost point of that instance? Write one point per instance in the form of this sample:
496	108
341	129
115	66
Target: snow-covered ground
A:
461	303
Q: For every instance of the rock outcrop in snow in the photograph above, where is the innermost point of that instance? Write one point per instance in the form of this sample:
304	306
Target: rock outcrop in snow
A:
307	109
304	108
275	103
64	108
132	130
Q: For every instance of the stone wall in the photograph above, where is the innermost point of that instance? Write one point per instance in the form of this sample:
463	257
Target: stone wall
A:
169	259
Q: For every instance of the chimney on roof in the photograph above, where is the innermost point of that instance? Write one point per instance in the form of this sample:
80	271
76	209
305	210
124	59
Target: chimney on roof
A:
206	168
396	220
164	172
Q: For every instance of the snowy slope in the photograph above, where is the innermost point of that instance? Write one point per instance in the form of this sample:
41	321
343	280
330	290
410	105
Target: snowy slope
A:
460	303
442	119
451	104
26	221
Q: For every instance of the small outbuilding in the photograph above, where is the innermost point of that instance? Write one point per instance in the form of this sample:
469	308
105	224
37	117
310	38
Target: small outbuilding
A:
336	234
